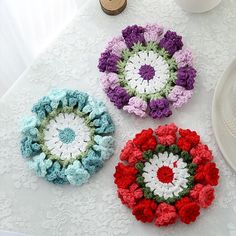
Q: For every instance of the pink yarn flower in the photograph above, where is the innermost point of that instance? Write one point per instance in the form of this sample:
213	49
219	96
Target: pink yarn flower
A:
131	153
203	195
179	96
153	33
130	196
117	45
136	106
201	154
109	81
167	134
166	214
183	58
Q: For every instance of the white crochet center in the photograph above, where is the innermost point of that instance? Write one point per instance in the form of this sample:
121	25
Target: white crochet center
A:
136	82
66	151
166	190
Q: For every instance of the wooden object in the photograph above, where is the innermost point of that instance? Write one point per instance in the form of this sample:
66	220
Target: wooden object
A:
113	7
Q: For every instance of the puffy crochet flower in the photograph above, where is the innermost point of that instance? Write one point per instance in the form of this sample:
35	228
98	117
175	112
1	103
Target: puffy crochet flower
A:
136	106
145	140
146	72
145	210
117	45
40	164
92	163
160	181
133	34
203	195
131	153
166	214
104	124
207	174
56	96
153	33
188	210
76	174
69	138
188	139
118	96
76	98
167	134
42	107
108	62
171	42
131	195
124	176
186	77
159	108
183	58
56	174
104	146
179	96
109	81
201	154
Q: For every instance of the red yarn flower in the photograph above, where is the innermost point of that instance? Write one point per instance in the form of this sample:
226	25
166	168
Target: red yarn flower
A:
188	210
145	140
124	175
130	196
201	154
145	210
131	153
167	134
203	195
166	214
188	139
207	174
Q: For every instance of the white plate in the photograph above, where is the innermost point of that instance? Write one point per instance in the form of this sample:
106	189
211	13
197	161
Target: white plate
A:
224	114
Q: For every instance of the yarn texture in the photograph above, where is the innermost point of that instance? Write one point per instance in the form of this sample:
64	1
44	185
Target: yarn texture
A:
146	71
69	139
166	175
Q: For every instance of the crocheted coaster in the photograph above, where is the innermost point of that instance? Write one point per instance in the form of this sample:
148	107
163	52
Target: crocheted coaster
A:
146	71
166	174
68	140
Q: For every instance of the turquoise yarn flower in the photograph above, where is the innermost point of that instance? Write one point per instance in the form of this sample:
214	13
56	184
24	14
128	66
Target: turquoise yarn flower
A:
28	126
104	124
104	145
76	98
42	107
57	96
40	165
93	162
76	174
69	138
94	108
56	174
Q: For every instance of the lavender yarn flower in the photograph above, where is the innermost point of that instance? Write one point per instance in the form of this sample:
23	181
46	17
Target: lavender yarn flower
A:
171	42
183	58
133	34
179	96
186	77
136	106
108	62
159	108
118	96
117	46
109	81
153	33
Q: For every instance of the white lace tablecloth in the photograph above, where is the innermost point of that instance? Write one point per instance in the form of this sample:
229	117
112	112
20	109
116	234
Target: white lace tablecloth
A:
33	206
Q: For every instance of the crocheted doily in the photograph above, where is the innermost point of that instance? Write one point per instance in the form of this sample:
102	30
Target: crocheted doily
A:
146	71
69	138
166	174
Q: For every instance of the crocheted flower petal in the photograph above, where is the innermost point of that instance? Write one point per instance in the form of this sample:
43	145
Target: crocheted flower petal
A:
76	174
